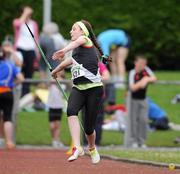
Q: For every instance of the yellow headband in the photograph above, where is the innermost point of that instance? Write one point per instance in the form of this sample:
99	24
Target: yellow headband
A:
83	27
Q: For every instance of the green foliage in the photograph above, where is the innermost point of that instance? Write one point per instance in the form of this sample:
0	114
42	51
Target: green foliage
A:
11	9
153	26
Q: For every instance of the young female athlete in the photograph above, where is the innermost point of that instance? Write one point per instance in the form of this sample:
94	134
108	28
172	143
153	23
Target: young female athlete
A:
87	87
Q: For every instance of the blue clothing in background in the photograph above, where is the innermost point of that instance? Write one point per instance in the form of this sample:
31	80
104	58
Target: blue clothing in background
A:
8	72
155	112
112	37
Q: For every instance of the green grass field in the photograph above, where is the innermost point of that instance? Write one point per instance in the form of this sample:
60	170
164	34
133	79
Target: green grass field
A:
33	127
163	156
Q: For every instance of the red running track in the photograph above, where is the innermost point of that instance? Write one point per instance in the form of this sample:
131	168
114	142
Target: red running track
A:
23	161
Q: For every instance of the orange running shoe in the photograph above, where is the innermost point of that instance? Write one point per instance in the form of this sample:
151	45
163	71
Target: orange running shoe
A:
75	153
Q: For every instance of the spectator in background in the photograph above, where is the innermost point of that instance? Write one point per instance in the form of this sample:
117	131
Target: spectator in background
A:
157	116
17	59
12	54
8	73
139	78
116	43
25	44
50	41
55	104
105	75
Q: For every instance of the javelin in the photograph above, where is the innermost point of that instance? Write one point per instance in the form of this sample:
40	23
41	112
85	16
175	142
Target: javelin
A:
46	61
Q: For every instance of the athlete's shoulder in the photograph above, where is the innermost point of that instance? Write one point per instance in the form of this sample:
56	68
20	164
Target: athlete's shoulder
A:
88	42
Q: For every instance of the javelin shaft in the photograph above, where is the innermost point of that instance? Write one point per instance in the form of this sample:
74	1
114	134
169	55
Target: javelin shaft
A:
46	61
64	94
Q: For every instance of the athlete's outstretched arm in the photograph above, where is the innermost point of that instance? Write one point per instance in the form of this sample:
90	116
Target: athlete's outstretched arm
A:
65	63
72	45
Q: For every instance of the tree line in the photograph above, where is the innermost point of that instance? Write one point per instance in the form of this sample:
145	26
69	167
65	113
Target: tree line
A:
153	26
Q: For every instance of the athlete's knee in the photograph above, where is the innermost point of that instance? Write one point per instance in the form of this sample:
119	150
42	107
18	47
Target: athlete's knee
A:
71	111
7	118
89	131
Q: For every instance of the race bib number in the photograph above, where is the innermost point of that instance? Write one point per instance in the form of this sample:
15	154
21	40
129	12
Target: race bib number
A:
77	71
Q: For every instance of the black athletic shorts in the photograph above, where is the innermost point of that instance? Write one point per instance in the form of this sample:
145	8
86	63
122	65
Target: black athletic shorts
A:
55	114
6	105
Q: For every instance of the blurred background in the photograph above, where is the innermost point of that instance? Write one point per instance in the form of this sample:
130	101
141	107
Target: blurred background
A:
154	29
153	26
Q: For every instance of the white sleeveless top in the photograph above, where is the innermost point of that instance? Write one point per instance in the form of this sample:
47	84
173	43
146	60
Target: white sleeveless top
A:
25	40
